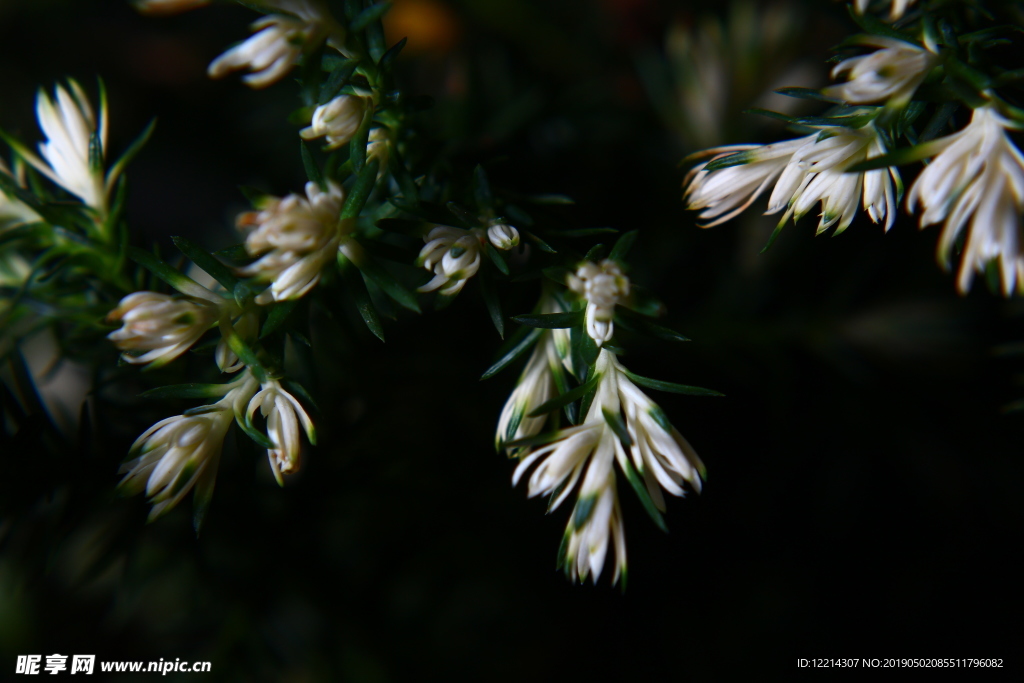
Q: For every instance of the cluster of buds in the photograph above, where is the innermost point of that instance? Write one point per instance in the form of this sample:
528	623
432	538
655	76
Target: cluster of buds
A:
603	286
295	237
157	328
649	451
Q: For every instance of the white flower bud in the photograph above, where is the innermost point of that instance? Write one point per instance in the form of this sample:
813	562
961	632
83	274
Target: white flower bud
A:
283	413
272	52
163	326
603	287
378	148
454	256
503	236
338	120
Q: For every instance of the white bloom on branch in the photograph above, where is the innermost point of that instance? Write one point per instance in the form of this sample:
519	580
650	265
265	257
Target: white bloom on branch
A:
181	452
656	452
805	171
162	326
166	7
377	147
536	386
603	286
896	9
338	120
453	254
296	237
977	177
276	45
283	414
892	73
72	155
503	236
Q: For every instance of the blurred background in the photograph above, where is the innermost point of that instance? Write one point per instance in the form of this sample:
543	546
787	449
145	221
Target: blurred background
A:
862	498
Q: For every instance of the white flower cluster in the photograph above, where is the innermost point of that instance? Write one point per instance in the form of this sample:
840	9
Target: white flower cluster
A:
75	145
295	238
976	178
182	452
651	451
805	171
338	120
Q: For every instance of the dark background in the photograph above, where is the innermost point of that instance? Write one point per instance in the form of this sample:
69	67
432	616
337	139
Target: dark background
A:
862	498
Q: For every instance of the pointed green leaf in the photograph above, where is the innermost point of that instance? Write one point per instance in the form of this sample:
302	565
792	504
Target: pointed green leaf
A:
496	258
635	322
623	245
360	191
369	15
671	387
550	321
179	281
279	313
312	170
129	154
207	261
356	285
529	337
806	94
564	399
389	57
493	303
641	491
190	390
541	244
376	273
618	425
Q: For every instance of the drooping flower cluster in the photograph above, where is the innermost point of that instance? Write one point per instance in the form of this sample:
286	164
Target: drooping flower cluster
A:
621	425
295	238
890	74
805	171
181	452
976	179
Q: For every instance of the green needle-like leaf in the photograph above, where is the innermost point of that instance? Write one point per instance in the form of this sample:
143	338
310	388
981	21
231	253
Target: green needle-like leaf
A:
551	321
565	399
671	387
528	337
